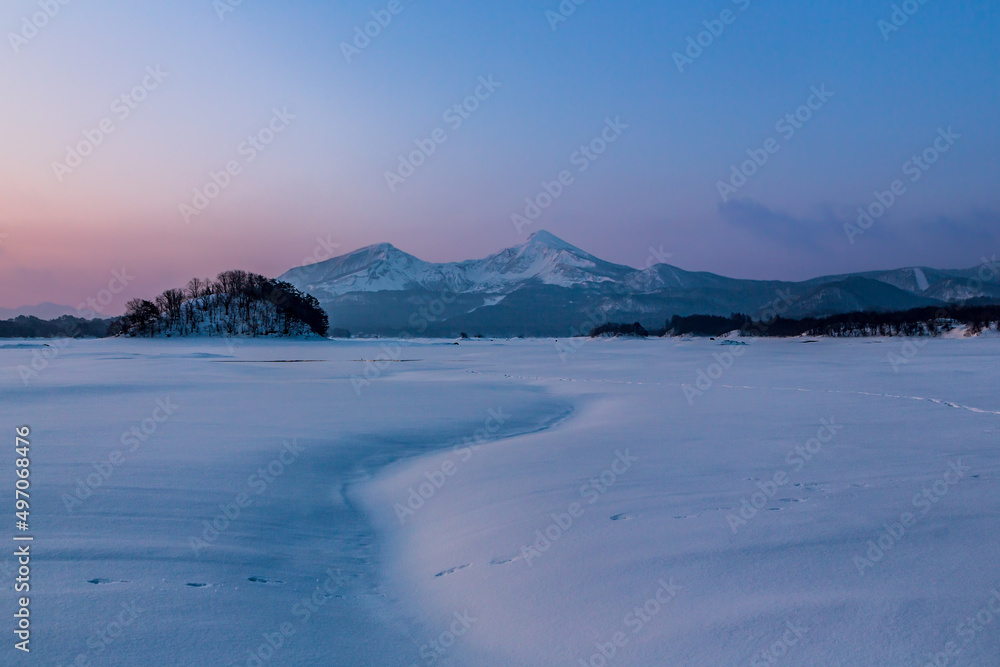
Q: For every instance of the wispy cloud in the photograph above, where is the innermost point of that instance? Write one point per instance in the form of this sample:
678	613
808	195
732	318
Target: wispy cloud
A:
944	241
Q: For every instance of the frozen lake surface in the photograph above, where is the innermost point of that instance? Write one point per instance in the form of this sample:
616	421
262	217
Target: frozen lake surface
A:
658	502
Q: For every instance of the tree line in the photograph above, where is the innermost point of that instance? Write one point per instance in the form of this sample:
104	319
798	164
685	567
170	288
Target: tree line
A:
66	326
927	321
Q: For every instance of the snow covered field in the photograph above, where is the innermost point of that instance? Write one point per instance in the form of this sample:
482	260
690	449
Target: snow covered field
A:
659	502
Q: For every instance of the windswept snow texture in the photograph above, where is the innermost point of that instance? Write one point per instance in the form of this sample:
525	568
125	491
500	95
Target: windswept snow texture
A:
615	502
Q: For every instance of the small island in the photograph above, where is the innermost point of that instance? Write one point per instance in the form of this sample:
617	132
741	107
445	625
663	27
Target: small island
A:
236	303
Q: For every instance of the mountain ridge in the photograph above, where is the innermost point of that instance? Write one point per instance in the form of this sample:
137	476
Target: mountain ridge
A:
546	286
43	311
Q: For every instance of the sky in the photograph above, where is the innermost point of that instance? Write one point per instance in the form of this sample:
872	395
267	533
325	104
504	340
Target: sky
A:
164	141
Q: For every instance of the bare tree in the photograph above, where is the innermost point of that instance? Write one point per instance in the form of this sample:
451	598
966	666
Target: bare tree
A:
197	288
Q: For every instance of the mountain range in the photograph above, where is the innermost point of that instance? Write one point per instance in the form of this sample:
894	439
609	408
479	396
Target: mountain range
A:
548	287
43	311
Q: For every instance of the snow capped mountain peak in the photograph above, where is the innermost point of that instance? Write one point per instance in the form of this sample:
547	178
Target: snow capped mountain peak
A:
546	258
551	245
382	267
373	268
544	238
383	251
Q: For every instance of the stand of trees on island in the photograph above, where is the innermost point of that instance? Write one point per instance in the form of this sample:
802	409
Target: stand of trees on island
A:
931	321
236	303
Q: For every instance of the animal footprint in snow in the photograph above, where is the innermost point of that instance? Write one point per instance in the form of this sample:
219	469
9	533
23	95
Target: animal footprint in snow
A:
452	570
504	561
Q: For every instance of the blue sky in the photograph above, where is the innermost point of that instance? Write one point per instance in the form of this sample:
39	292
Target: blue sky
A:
324	175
